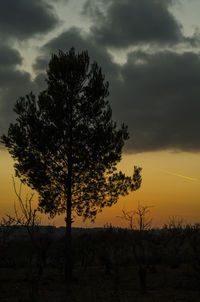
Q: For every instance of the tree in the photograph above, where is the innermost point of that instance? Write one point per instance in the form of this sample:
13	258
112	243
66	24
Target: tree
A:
27	216
144	223
66	146
128	216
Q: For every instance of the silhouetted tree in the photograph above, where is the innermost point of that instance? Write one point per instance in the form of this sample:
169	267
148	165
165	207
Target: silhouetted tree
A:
128	216
65	144
27	216
144	222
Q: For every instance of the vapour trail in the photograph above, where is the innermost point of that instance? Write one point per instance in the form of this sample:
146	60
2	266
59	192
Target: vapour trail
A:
180	175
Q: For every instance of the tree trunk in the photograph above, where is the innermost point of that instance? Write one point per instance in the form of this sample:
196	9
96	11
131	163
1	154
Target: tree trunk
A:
68	248
68	238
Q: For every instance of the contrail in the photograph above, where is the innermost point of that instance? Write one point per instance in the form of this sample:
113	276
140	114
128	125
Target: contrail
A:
179	175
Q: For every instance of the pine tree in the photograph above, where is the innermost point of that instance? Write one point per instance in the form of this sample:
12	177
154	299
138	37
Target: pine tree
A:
66	146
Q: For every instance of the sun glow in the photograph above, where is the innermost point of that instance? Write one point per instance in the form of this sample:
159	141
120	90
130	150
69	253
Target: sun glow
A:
167	192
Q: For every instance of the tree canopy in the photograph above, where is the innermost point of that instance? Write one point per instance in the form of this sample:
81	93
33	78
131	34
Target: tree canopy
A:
64	142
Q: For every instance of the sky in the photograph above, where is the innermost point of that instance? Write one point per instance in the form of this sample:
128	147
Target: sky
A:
149	52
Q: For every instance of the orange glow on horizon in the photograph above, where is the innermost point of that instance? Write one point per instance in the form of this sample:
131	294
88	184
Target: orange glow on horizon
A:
169	193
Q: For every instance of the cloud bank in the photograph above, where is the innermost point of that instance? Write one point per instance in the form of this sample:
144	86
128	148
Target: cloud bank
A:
23	19
155	92
135	22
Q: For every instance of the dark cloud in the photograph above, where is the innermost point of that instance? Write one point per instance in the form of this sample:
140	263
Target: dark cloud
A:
130	22
9	60
157	95
158	98
40	82
58	1
75	38
14	83
9	57
22	19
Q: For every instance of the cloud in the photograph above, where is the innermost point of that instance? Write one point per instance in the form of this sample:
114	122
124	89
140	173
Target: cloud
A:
9	57
23	19
74	37
158	97
14	83
57	1
130	22
156	94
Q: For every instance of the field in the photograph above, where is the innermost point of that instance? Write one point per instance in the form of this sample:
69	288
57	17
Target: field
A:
108	265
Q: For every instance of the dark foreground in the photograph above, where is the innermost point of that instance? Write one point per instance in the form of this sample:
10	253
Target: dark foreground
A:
109	265
93	285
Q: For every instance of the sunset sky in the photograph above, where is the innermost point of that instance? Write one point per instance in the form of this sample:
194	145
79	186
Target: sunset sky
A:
149	52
